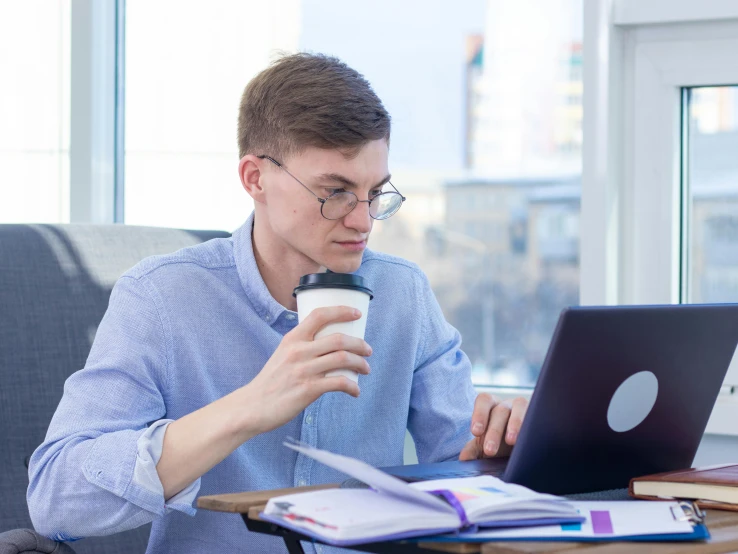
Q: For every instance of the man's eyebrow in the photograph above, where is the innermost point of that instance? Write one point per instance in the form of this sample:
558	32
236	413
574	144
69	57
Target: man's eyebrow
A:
345	182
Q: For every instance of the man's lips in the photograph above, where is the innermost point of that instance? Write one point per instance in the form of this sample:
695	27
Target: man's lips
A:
352	244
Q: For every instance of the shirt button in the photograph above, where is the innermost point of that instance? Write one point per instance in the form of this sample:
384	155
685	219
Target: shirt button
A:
290	316
267	317
301	483
309	419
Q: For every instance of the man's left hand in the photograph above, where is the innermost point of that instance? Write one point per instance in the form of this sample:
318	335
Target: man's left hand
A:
495	426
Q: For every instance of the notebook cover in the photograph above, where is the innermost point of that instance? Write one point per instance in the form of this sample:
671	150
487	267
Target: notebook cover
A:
413	533
351	542
725	475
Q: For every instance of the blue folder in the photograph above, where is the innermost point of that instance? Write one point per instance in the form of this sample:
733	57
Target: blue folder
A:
699	532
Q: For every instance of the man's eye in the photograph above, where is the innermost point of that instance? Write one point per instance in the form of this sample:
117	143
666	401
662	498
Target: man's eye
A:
375	193
334	191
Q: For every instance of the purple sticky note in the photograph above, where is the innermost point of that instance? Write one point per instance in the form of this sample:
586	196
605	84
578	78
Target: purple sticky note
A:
601	522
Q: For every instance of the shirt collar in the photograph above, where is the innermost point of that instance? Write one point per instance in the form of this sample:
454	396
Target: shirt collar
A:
248	272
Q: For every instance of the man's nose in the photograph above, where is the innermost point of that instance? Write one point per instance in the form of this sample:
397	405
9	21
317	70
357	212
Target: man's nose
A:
359	218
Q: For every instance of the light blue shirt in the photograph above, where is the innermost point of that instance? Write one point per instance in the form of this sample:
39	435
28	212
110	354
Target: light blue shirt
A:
184	330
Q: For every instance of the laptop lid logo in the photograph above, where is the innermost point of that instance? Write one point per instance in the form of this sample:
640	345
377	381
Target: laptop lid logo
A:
632	402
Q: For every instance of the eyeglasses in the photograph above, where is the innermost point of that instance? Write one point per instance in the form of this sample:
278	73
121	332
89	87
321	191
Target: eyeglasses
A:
340	204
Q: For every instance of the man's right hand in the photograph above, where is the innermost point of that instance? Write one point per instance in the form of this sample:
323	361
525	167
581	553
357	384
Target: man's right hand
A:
294	377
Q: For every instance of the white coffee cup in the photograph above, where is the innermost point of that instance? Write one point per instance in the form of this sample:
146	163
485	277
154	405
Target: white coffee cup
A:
318	290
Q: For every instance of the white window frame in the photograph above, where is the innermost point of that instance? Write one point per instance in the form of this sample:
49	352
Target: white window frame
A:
661	68
637	56
96	128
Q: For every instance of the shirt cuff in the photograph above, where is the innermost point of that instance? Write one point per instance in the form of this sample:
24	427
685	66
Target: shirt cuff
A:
145	476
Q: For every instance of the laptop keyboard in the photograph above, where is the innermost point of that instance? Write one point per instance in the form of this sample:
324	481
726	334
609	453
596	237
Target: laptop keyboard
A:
448	470
451	475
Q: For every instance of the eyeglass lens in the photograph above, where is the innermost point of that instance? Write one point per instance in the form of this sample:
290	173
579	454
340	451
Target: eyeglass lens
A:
382	206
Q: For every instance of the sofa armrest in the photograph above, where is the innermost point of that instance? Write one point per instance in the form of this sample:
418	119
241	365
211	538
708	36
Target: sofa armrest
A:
20	541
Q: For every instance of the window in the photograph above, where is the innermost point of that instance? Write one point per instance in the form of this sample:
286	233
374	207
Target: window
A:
486	142
35	48
495	111
182	95
711	194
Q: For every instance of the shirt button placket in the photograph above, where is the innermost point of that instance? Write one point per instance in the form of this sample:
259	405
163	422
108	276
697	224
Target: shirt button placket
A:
309	435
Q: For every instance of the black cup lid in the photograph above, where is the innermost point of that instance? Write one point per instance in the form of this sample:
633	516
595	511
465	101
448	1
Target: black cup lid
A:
332	280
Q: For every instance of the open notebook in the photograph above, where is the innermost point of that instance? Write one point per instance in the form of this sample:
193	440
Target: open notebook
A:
393	509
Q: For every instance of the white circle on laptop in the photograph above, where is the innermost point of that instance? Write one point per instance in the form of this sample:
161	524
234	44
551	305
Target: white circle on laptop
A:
633	401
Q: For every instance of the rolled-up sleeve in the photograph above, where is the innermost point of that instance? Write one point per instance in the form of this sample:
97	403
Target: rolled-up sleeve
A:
442	395
150	445
95	473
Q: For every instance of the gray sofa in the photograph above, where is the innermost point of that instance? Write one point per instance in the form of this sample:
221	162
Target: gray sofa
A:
55	281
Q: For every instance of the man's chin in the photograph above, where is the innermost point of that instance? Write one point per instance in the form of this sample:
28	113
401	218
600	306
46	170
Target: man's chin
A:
345	264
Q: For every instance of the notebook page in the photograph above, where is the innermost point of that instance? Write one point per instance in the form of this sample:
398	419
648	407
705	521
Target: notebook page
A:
373	477
484	496
603	520
348	514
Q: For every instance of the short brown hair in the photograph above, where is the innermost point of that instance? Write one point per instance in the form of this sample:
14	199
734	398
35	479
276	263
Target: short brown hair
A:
309	100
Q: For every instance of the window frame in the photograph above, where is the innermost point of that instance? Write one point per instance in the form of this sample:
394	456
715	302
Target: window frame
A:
639	55
97	109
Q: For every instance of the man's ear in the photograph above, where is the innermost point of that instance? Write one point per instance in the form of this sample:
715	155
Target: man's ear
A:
249	170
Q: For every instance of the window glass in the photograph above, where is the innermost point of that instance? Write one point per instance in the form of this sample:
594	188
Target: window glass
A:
35	65
186	66
486	104
712	194
487	113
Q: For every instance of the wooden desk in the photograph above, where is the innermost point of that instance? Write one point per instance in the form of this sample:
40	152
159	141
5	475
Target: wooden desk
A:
723	527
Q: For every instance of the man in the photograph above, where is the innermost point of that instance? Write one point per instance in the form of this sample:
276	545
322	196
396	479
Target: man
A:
199	370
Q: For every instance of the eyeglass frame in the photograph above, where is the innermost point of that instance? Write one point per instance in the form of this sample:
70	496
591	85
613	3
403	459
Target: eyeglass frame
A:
324	200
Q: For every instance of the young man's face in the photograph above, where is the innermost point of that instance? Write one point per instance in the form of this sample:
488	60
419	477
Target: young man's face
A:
295	215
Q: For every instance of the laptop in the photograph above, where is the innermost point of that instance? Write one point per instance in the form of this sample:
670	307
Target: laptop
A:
624	391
